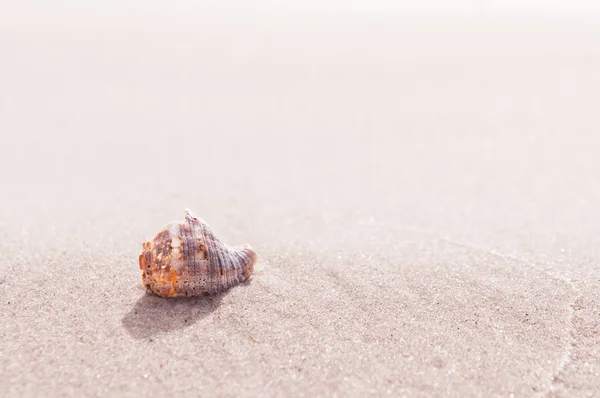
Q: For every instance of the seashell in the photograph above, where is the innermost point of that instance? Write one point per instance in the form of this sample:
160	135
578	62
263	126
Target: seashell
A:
187	259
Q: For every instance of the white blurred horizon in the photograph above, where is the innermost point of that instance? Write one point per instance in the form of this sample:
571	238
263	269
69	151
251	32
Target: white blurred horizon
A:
38	11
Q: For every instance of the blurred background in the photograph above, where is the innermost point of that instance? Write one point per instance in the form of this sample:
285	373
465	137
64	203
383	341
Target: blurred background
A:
478	8
420	104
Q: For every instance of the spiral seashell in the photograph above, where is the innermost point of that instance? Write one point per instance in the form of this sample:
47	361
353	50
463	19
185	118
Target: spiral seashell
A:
187	259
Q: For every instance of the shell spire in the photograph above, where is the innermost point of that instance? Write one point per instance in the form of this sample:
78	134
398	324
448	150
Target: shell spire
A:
187	259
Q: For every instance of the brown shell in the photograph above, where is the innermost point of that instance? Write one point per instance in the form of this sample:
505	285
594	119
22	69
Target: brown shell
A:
187	259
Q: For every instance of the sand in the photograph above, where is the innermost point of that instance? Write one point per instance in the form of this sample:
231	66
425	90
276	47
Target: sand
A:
423	198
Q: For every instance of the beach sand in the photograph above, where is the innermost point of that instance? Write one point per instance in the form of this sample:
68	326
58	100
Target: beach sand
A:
423	199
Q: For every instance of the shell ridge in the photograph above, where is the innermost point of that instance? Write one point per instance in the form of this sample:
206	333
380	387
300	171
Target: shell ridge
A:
233	273
214	256
209	255
240	261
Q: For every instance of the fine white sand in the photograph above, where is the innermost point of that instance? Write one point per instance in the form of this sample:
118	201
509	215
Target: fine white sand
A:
423	198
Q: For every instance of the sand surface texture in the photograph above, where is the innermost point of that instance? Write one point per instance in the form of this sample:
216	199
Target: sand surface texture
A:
424	200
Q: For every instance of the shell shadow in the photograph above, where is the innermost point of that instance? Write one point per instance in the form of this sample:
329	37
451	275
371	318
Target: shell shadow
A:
152	315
